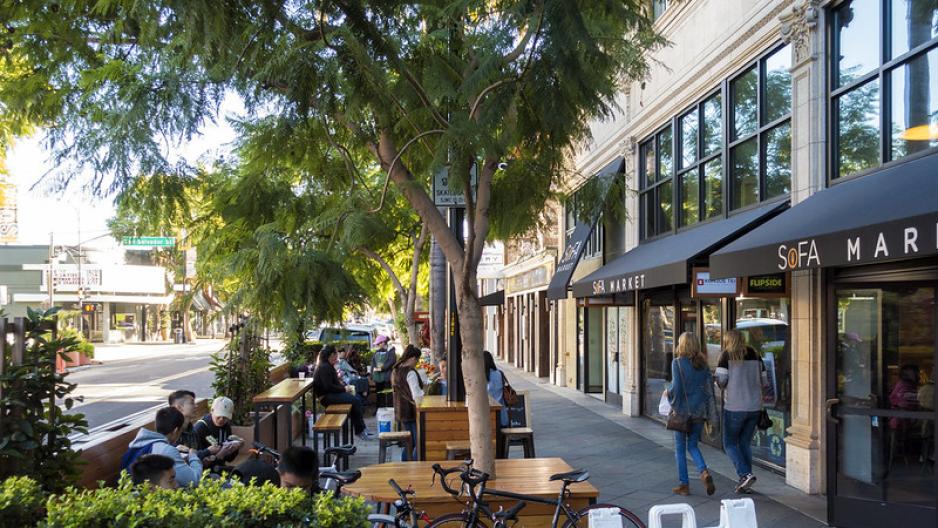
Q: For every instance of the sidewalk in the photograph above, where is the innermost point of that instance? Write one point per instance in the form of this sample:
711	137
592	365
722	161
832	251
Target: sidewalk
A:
631	460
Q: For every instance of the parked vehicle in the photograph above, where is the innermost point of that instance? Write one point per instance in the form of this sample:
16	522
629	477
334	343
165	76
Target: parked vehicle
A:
349	333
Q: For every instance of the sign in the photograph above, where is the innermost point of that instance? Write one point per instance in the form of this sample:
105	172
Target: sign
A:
148	241
704	286
98	278
766	285
492	261
191	258
446	196
9	227
517	413
89	308
528	280
69	279
572	252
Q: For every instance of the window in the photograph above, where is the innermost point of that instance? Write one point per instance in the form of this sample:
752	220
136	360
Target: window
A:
884	96
657	197
760	147
701	168
685	176
658	7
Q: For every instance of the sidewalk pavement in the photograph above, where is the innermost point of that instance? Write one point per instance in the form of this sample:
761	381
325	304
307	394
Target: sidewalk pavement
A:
631	460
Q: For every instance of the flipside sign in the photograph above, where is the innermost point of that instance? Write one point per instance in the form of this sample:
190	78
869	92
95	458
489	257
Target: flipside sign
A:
767	285
703	286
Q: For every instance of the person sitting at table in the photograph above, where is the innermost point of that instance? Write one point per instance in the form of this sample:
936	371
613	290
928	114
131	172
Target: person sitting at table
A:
408	393
158	471
184	402
299	468
216	425
350	376
330	389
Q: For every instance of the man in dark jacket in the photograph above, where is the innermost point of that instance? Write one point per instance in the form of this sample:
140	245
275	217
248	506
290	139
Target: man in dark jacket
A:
216	426
184	402
330	389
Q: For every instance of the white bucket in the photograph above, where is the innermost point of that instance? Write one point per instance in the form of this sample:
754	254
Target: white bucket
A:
385	417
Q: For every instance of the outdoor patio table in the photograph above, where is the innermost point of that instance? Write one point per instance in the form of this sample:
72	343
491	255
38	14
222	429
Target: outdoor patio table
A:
440	421
284	393
529	476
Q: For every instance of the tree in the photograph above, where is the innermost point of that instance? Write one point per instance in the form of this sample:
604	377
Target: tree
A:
506	87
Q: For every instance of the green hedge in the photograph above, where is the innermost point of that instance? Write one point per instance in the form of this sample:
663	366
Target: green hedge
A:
209	505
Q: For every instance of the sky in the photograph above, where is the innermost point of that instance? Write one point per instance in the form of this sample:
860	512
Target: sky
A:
65	214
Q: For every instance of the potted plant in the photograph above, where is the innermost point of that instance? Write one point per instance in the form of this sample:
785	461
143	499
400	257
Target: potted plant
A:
241	374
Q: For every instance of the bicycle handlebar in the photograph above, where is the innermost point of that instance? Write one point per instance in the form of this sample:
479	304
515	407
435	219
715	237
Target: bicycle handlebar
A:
470	476
401	492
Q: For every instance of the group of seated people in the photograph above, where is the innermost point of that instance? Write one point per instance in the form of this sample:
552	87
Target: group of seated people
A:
182	446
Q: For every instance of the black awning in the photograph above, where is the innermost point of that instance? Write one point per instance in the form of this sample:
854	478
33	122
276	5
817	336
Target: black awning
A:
665	262
577	242
496	298
889	215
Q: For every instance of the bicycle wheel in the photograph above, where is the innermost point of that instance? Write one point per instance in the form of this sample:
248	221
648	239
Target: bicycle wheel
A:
629	519
455	520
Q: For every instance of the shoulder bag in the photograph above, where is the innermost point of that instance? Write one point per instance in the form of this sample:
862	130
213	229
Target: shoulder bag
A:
677	421
509	396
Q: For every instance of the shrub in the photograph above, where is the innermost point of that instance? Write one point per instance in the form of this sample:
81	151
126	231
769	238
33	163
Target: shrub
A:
21	500
209	505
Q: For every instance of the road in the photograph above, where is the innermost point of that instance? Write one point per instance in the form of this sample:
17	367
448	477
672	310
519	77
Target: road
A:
133	378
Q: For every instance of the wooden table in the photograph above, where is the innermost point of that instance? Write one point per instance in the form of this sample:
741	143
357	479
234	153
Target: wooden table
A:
284	393
528	476
440	421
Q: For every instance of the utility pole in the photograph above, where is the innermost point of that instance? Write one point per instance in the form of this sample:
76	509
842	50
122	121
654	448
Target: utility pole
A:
52	258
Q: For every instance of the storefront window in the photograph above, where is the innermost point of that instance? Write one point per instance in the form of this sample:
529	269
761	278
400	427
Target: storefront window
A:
712	311
658	350
883	57
764	324
657	195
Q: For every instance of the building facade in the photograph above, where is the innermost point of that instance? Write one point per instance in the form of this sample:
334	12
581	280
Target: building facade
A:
779	162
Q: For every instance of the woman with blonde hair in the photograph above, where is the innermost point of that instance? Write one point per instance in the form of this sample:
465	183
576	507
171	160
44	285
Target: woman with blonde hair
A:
690	395
742	375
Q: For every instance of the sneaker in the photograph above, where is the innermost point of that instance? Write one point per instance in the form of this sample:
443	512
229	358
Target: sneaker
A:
681	489
708	482
745	482
367	435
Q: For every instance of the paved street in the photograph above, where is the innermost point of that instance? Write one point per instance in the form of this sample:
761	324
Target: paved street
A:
135	377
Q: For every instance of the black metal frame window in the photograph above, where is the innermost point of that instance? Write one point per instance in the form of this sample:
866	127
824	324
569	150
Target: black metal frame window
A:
700	161
657	179
882	83
658	8
760	130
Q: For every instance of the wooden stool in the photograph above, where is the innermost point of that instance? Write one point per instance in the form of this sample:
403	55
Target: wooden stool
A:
346	409
458	450
518	435
330	426
398	438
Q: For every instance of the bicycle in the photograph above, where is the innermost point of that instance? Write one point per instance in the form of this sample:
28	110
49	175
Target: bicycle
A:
477	509
405	516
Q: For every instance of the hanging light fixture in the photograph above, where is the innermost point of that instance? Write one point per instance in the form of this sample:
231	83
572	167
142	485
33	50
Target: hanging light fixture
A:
921	133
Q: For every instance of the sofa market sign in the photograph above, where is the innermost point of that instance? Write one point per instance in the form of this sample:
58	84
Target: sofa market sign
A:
916	237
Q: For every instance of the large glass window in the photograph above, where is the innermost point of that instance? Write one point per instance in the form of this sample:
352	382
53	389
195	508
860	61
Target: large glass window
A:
683	166
884	98
658	349
761	123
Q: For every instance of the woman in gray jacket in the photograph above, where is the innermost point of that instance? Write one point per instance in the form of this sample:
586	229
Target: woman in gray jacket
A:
742	375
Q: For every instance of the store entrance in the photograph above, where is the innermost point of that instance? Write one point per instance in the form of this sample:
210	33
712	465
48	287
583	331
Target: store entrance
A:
881	433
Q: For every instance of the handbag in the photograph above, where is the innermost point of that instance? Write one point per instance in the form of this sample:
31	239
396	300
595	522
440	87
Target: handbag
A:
764	422
509	396
677	421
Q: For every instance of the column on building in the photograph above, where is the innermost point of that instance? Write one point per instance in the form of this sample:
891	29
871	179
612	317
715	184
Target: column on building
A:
805	468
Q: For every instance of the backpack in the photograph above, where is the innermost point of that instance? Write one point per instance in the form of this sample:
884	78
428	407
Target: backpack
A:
133	454
509	396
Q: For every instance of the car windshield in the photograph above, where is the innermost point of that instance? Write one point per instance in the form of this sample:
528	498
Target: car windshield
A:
329	335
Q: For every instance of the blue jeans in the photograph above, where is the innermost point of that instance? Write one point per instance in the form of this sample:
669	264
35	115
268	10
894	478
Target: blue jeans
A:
687	442
410	427
738	429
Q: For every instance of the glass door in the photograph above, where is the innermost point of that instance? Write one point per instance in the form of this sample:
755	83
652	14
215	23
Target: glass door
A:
881	440
613	388
594	350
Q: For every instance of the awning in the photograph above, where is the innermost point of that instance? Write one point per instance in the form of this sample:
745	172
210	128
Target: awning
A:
889	215
577	242
665	262
493	299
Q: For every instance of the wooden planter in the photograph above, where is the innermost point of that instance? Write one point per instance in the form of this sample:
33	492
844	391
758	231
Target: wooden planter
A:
247	432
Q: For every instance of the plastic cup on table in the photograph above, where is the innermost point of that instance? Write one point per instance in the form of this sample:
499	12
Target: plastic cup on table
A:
302	374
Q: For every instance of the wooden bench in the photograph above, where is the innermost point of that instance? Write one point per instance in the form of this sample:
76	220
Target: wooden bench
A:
348	436
330	426
458	450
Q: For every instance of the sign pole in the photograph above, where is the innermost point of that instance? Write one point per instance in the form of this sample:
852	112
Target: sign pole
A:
456	387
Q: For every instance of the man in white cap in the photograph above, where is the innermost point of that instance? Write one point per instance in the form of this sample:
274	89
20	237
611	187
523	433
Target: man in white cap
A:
214	429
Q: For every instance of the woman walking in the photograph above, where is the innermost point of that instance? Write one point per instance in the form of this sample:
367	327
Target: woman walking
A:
691	394
408	393
742	375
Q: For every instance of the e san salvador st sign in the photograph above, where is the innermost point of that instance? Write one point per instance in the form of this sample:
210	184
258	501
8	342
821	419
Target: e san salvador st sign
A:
147	241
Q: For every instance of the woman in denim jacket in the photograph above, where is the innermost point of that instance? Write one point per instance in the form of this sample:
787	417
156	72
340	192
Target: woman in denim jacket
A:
691	393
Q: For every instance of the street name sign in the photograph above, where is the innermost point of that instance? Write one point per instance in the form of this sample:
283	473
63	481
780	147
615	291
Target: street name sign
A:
148	241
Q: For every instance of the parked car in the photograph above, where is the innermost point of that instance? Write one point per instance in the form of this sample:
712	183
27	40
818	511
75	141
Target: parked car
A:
354	333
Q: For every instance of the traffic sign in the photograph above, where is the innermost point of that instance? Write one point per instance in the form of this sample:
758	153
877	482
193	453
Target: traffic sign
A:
148	241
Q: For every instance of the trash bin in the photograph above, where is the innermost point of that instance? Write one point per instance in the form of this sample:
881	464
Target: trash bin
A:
177	336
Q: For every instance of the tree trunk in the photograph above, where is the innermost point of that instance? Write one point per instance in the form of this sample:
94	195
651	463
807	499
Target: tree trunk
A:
186	320
477	396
